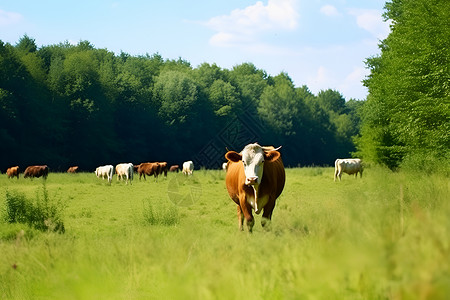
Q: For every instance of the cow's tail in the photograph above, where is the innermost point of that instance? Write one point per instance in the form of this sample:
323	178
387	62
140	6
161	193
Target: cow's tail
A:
111	173
131	171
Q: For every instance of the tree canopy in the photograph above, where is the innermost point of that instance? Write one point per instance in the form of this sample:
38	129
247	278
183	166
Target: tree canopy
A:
67	104
406	115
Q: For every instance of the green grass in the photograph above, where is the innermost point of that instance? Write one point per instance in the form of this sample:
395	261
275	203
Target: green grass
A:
383	237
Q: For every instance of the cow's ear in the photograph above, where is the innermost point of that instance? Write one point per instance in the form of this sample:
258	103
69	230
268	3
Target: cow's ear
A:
272	155
233	156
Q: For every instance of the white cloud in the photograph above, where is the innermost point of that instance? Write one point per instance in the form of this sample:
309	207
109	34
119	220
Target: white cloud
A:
9	18
371	20
329	10
244	25
353	80
322	79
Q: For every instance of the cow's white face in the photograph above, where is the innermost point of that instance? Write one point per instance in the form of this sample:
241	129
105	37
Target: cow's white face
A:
253	160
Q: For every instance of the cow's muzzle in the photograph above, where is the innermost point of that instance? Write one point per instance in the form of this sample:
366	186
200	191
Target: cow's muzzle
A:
251	180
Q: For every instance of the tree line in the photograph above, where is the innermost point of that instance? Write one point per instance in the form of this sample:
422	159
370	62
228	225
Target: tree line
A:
406	117
65	104
70	104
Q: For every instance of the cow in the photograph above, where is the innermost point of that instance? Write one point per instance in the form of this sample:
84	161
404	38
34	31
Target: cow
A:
105	172
188	167
73	169
36	171
349	166
13	171
125	170
174	168
225	166
149	168
255	179
163	168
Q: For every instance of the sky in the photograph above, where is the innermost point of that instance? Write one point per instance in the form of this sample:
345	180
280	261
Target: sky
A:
319	43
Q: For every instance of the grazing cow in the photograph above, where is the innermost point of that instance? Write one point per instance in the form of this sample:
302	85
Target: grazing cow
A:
13	171
163	168
149	169
188	167
105	172
349	166
255	179
73	169
36	171
225	166
125	170
174	168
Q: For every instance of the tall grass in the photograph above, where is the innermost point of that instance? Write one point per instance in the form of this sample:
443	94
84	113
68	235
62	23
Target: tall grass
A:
385	236
41	213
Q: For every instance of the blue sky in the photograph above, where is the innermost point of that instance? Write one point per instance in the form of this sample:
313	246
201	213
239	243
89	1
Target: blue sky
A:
322	44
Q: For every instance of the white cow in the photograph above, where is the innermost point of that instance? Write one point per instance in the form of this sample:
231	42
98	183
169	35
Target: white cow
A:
125	170
349	166
188	167
105	172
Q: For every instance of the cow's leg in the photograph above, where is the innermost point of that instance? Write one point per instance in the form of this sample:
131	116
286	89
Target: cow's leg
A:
267	213
240	218
247	211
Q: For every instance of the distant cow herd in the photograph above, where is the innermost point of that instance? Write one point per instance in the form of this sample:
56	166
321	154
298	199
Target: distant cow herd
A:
255	177
124	171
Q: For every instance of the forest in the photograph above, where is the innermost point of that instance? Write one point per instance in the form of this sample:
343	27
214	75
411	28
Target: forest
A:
66	104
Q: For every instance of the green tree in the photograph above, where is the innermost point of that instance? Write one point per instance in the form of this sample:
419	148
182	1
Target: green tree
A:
278	105
224	98
407	111
176	94
331	100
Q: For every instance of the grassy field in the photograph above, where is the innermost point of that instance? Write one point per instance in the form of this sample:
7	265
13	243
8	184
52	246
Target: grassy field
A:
385	236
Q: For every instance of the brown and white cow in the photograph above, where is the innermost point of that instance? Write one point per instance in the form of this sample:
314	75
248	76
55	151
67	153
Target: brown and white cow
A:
349	166
73	169
148	169
255	179
13	172
36	171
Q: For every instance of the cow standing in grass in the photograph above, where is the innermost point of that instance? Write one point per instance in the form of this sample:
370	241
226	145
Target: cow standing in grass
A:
349	166
36	171
255	179
188	167
105	172
13	172
149	169
73	169
125	170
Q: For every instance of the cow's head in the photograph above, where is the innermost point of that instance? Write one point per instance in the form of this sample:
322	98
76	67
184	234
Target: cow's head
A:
253	157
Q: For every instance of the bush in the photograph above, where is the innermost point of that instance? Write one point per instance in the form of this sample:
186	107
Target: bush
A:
163	214
42	213
427	163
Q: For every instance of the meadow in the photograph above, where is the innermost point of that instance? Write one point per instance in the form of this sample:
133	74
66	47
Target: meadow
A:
385	236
